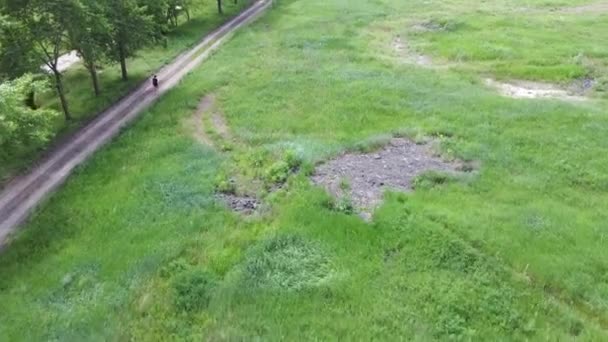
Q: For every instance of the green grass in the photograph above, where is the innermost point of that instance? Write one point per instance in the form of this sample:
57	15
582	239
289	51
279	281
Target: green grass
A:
134	246
79	89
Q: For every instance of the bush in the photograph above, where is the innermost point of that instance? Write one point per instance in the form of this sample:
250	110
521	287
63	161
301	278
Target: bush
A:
193	290
293	160
225	184
21	127
278	172
345	205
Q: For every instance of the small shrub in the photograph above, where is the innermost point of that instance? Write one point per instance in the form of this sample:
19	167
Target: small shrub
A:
193	290
224	184
345	205
278	172
293	160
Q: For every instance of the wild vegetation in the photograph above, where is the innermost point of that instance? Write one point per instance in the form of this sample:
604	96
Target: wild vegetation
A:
136	245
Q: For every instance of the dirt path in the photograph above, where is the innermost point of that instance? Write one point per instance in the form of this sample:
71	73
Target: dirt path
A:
24	193
195	123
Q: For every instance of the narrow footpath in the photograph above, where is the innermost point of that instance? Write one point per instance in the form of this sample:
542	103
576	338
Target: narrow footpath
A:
27	191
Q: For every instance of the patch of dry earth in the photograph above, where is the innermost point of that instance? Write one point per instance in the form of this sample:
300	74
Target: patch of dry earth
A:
365	177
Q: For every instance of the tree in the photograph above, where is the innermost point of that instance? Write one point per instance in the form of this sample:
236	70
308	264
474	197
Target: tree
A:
219	7
16	55
175	8
130	29
42	24
87	34
21	127
157	10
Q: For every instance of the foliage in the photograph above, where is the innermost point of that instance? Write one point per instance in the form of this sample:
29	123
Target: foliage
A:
193	290
130	29
22	128
17	57
88	34
279	171
41	25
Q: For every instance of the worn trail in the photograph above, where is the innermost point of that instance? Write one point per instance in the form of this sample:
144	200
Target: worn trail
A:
24	193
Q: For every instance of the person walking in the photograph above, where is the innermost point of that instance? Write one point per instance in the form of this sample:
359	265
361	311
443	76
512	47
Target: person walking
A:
155	82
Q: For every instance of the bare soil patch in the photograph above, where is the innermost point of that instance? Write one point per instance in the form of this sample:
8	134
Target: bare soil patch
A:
242	204
195	123
364	177
208	115
600	7
402	48
220	125
535	90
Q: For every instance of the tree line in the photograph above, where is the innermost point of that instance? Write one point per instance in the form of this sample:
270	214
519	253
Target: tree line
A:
39	32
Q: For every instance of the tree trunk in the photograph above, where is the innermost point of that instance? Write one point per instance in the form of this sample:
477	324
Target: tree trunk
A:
60	92
123	62
219	7
94	78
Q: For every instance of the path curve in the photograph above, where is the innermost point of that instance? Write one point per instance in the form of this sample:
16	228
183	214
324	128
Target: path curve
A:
25	192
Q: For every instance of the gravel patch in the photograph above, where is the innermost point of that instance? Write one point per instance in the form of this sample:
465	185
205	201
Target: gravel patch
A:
241	204
365	177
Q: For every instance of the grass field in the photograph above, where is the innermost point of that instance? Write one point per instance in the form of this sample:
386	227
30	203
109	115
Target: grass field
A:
135	247
79	89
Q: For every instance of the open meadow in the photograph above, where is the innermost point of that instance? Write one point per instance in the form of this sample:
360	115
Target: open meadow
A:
142	243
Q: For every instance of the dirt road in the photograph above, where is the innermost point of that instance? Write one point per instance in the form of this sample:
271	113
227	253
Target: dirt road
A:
24	193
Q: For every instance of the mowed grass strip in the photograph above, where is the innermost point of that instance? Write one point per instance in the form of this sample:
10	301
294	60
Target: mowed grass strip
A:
136	247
